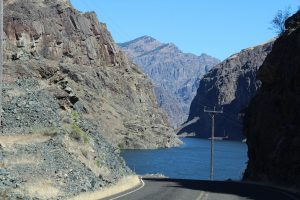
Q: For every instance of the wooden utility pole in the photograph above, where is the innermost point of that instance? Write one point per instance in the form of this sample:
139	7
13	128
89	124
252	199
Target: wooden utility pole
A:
1	59
212	114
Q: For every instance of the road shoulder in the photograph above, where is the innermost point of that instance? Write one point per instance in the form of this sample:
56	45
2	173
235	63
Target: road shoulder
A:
126	184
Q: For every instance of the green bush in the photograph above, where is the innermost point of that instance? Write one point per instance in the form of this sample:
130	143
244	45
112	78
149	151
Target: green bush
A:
77	133
98	163
74	116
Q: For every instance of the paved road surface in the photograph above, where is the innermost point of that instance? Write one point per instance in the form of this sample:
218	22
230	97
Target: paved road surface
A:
175	189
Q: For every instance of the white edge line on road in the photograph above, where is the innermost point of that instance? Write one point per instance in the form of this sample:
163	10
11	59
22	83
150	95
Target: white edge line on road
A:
200	195
143	184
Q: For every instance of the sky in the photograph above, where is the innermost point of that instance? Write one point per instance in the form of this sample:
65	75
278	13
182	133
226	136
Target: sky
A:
218	28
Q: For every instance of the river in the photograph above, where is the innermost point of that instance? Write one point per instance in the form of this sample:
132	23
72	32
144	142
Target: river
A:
191	160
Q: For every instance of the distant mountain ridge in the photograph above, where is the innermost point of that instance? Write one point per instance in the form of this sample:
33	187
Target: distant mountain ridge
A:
175	74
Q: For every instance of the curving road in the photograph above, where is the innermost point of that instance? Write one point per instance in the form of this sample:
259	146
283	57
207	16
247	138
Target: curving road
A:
176	189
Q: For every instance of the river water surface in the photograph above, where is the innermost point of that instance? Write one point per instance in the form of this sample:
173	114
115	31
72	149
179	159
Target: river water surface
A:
191	160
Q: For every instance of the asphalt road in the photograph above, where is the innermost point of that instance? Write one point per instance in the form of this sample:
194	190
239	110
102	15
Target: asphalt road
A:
176	189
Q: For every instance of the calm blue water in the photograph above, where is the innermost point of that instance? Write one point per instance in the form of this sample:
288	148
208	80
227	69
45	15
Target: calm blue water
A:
191	160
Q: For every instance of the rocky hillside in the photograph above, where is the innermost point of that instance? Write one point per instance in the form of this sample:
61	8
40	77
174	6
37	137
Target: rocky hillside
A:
272	120
75	58
230	85
69	94
175	74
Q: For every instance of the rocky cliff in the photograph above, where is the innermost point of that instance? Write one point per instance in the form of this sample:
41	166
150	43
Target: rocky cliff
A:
230	85
75	58
175	74
272	120
69	94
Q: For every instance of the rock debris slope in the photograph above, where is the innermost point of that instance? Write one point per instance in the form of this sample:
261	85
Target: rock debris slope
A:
272	120
69	95
175	74
230	84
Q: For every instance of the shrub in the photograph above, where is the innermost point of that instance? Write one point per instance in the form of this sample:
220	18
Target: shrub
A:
98	163
75	116
77	133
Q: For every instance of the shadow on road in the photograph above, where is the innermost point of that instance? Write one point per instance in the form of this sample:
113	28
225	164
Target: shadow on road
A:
246	190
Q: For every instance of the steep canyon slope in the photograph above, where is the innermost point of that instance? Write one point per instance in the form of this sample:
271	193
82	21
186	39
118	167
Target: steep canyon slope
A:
75	57
272	120
230	85
69	95
175	74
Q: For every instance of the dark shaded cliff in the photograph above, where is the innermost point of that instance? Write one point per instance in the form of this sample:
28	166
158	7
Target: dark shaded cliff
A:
231	84
272	120
175	74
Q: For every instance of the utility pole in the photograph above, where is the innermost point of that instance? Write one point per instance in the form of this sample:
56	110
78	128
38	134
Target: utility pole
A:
212	115
1	59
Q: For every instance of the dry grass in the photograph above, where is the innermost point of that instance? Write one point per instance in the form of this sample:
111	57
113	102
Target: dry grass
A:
124	184
7	141
86	155
15	92
42	190
33	159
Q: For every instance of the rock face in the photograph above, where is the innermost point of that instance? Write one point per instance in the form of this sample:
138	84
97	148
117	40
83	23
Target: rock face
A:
175	74
272	120
69	94
76	58
230	85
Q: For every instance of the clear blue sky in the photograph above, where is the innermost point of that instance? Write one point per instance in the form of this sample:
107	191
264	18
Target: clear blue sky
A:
216	27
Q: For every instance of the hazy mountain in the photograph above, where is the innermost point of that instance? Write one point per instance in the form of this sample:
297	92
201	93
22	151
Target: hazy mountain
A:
175	74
